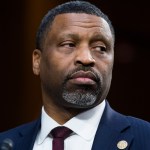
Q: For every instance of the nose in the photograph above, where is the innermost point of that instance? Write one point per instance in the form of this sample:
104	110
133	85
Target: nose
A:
84	57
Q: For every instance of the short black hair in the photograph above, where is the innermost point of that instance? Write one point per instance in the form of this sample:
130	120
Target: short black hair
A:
68	7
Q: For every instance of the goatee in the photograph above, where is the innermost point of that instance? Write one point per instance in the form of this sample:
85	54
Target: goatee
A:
82	96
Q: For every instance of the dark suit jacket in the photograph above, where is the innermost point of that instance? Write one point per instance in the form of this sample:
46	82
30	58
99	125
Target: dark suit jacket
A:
114	127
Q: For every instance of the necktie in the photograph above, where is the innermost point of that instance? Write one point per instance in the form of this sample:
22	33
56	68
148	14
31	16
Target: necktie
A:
59	134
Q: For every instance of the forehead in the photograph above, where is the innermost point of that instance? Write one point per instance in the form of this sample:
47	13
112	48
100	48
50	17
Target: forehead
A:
76	18
79	23
86	20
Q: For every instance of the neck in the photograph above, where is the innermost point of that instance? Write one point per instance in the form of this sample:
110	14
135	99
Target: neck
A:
60	114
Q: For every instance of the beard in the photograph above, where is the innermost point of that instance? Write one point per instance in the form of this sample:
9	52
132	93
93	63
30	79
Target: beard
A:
82	96
80	99
79	96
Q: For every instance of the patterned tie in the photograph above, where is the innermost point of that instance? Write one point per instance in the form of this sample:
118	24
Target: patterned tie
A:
59	134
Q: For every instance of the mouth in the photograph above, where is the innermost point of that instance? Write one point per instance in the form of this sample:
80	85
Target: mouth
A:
83	78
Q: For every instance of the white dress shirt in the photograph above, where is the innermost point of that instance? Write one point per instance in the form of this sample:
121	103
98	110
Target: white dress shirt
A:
84	127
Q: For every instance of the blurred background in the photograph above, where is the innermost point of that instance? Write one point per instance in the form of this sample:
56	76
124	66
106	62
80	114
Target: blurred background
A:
20	100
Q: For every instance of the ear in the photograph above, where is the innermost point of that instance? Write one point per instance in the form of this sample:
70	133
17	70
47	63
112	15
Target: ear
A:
36	60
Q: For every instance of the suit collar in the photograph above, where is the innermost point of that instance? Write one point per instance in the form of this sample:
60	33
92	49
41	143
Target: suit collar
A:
111	130
26	140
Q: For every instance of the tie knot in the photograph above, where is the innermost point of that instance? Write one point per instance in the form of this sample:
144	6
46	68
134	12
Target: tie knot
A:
61	132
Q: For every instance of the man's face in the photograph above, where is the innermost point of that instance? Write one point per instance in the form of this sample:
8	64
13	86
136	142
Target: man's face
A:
76	62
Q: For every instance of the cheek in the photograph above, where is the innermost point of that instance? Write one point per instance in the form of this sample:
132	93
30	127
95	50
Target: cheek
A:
105	70
62	61
57	67
105	66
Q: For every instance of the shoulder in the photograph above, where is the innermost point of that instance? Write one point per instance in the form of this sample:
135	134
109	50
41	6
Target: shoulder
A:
112	116
139	124
19	131
128	125
136	125
140	130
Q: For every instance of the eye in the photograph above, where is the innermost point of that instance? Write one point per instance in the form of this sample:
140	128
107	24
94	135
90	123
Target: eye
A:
100	49
67	44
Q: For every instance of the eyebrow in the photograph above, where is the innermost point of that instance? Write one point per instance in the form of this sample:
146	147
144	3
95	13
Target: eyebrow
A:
95	37
98	36
69	35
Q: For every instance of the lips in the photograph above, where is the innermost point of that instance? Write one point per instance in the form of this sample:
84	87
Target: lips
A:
82	77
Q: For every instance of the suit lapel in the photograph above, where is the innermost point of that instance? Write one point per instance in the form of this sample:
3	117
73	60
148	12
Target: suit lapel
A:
27	137
113	131
113	128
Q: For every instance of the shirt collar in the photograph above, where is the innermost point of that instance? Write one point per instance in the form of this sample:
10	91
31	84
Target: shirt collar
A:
84	124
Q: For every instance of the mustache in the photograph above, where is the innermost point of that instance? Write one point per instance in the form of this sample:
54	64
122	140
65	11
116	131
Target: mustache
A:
85	69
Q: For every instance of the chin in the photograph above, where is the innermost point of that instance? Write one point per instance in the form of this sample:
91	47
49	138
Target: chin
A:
81	104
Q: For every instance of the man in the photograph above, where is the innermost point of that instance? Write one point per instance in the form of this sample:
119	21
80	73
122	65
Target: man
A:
74	58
